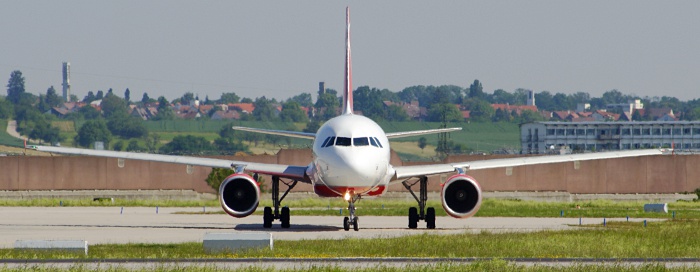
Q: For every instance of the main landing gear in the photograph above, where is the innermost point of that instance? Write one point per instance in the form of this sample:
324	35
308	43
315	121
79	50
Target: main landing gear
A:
413	213
268	215
352	220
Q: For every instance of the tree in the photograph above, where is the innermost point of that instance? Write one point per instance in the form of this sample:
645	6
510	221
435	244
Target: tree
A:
187	145
118	146
127	126
636	116
444	112
164	110
133	146
89	112
15	87
476	90
395	113
187	98
227	98
229	146
422	143
43	130
127	96
145	98
292	112
545	101
52	98
113	106
480	110
502	97
99	95
304	99
91	131
89	97
264	110
528	116
152	142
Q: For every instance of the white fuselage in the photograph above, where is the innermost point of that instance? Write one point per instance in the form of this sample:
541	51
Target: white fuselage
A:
350	155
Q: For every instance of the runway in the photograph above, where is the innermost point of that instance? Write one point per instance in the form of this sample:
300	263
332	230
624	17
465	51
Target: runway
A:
100	225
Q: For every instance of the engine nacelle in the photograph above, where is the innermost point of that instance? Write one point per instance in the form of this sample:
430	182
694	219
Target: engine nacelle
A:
239	195
461	196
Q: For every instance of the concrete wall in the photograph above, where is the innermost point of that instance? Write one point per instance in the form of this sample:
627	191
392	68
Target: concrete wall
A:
644	175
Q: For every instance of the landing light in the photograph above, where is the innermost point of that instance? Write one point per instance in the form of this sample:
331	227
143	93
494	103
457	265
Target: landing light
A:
347	196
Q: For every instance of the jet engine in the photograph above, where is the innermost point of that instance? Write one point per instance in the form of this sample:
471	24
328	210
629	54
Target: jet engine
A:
239	195
461	196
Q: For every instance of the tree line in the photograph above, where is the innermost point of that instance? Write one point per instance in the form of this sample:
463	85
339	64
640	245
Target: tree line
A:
442	104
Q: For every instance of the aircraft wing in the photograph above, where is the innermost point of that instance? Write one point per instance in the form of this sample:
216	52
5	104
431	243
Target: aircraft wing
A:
420	132
285	171
402	172
296	134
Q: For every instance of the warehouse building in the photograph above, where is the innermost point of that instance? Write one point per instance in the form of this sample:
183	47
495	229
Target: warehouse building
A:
549	137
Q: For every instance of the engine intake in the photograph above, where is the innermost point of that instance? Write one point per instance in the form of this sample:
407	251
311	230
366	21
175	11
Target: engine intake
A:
239	195
461	196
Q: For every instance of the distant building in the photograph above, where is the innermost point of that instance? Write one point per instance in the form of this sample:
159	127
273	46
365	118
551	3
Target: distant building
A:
626	107
530	98
66	81
543	137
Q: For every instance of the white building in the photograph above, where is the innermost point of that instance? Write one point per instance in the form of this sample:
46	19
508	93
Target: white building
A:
543	137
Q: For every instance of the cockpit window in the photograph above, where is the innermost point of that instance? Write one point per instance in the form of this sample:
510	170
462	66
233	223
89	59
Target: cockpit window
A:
373	142
360	141
343	141
325	142
329	141
378	143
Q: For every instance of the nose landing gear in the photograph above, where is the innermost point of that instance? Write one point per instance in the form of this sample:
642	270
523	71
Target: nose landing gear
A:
352	220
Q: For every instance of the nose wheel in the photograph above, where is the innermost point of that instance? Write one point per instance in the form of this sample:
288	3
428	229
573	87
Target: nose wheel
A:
352	220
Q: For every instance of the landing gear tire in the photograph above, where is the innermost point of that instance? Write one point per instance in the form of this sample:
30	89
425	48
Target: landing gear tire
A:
355	224
346	223
267	217
284	218
412	218
430	218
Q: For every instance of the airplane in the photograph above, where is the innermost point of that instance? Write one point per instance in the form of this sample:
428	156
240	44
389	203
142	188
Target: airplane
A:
350	160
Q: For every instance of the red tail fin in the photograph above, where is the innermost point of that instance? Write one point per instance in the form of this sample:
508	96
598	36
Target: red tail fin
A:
347	92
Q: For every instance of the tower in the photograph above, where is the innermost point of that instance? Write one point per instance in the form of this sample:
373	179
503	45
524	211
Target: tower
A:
530	98
66	81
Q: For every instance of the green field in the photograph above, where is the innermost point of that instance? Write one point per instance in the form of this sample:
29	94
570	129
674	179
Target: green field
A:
6	139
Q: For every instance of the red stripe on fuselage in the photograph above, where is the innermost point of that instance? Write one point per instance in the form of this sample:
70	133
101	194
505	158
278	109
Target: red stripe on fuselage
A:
325	191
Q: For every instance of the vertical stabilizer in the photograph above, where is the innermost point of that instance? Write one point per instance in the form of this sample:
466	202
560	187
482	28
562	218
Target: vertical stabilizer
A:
347	92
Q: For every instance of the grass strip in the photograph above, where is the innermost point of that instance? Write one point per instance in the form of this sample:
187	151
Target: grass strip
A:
668	239
494	265
387	207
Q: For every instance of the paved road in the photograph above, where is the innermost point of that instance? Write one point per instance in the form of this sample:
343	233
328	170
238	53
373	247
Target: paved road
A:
100	225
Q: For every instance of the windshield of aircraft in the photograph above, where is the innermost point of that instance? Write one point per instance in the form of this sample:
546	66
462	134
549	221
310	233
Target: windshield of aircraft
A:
345	141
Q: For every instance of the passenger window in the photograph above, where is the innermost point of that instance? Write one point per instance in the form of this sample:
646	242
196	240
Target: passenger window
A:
378	143
373	142
330	141
360	141
343	141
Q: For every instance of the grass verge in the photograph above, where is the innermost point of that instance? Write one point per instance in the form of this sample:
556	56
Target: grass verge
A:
387	207
493	265
668	239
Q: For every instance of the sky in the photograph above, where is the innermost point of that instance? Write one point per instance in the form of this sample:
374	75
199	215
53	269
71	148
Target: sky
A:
279	49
